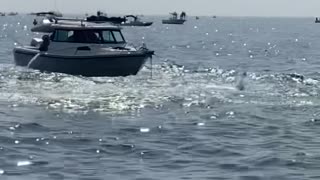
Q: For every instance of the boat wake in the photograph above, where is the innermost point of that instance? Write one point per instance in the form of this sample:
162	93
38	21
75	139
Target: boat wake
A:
170	84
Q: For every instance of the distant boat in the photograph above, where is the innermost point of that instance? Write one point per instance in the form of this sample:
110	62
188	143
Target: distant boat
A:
135	22
100	17
48	13
214	16
197	18
317	20
12	14
2	14
174	18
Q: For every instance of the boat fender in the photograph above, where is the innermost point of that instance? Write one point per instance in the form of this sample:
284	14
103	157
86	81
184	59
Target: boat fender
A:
45	44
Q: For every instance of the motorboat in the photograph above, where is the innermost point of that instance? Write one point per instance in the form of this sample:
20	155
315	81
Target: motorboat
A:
135	21
174	18
78	47
48	13
12	14
102	18
317	20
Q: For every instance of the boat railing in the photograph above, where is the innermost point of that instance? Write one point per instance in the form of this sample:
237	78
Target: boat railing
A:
59	20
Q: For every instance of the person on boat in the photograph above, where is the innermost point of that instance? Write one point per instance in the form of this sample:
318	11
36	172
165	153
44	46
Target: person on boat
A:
92	37
75	37
183	15
84	37
174	15
135	18
35	22
45	43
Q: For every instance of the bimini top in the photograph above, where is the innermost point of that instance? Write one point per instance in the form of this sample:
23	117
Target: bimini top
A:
50	25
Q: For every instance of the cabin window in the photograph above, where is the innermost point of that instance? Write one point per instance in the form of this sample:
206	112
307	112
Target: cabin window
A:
62	35
88	36
107	36
118	36
79	36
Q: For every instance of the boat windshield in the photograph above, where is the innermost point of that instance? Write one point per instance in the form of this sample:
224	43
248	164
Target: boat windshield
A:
88	36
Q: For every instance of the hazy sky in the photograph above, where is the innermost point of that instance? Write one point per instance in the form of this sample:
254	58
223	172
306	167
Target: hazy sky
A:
163	7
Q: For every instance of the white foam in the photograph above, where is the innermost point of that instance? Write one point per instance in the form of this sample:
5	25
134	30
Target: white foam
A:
201	124
24	163
144	130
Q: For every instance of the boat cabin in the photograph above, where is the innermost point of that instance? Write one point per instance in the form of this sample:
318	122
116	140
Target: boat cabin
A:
82	32
78	47
98	36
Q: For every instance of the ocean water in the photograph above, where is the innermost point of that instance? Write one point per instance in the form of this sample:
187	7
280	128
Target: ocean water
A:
229	98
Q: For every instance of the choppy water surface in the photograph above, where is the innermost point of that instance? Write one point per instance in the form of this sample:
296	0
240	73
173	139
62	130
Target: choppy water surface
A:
189	121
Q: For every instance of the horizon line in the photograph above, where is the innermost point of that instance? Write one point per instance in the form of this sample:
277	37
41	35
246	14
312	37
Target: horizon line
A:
162	14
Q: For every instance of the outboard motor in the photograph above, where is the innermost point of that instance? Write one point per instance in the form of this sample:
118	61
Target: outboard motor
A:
45	44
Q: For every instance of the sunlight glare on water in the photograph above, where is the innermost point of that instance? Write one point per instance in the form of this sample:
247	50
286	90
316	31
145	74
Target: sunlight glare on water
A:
229	98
